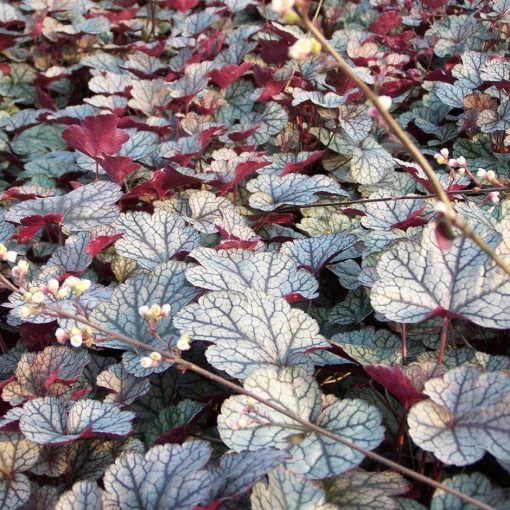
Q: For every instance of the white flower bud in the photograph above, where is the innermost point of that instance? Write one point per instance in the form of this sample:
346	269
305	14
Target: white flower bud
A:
491	175
144	311
461	161
281	6
482	173
165	310
62	335
303	48
76	340
146	362
183	344
385	102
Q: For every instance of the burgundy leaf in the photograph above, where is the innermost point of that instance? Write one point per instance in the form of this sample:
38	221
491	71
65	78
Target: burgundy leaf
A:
100	243
96	136
396	382
385	22
118	167
229	74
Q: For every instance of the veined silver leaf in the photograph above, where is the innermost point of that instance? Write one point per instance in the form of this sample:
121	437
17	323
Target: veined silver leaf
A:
312	253
166	284
255	426
475	485
82	209
84	495
420	279
467	415
272	191
250	330
46	421
358	489
287	491
151	239
168	476
237	270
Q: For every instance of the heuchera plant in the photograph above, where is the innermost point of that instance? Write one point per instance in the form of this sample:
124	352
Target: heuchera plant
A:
254	255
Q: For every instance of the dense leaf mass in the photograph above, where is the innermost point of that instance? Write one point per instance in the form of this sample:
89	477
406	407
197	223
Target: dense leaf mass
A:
227	282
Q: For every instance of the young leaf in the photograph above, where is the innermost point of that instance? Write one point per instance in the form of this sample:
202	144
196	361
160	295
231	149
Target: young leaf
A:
313	253
272	191
168	476
84	208
420	280
153	239
250	330
46	421
244	426
17	454
205	209
287	491
84	495
181	416
237	270
124	387
467	415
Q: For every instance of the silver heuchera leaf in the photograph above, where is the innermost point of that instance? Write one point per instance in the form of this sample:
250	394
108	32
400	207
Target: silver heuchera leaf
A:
417	280
313	253
237	270
359	490
151	239
17	454
467	415
167	284
237	472
370	162
45	420
272	191
244	425
39	374
250	330
287	491
386	214
14	491
82	209
370	347
475	485
84	495
168	476
205	210
124	387
73	256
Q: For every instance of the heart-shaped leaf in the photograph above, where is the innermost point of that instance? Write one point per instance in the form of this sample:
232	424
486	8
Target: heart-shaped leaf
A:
237	270
255	426
467	415
153	239
250	330
46	421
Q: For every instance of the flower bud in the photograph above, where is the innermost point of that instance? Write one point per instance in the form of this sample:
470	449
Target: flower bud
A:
156	356
491	175
144	311
62	336
183	344
7	255
21	269
303	48
281	6
25	311
482	173
146	362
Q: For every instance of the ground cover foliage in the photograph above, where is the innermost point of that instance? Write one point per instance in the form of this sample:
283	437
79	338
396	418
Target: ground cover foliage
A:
181	194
